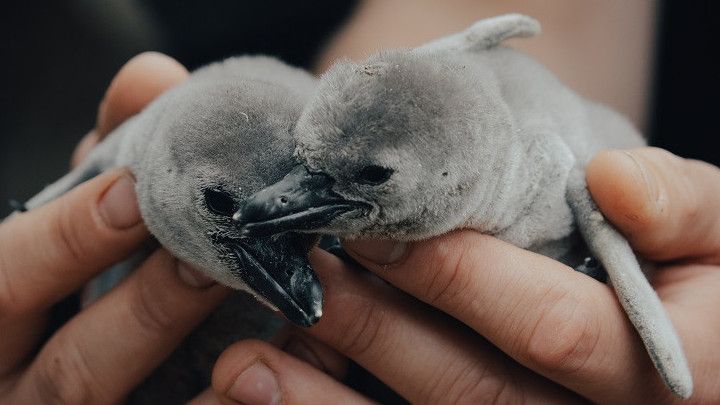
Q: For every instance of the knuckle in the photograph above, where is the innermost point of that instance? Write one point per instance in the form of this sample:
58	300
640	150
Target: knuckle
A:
475	385
448	277
491	390
565	335
150	308
68	234
63	377
246	348
364	330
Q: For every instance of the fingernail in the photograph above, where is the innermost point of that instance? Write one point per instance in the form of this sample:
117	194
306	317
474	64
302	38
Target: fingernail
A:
377	251
301	350
118	207
192	277
648	178
256	385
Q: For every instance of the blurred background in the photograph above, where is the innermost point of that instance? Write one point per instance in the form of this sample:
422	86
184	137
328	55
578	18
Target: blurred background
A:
59	56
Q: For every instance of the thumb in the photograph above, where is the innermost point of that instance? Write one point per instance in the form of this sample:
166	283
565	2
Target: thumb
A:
50	251
665	205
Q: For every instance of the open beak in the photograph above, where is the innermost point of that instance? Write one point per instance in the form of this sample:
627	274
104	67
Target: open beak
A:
301	201
278	269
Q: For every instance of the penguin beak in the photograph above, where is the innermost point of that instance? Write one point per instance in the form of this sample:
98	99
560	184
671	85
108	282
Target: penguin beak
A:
277	268
301	201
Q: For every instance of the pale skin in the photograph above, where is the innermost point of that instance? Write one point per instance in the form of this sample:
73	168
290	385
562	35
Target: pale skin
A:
534	330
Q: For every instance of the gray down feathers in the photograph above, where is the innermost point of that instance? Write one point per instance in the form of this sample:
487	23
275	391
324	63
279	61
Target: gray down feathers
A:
229	124
477	135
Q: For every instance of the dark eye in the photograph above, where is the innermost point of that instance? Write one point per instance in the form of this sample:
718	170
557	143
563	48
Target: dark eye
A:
374	175
219	202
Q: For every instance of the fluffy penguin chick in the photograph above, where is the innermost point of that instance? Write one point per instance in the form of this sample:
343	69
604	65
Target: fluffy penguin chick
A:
463	133
197	152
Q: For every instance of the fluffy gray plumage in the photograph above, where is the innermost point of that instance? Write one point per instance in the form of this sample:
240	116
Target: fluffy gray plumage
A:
465	133
227	128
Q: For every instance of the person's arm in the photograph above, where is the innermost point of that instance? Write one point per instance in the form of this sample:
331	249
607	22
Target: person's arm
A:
603	50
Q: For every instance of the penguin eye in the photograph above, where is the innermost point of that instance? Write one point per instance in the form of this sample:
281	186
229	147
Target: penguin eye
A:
219	202
374	175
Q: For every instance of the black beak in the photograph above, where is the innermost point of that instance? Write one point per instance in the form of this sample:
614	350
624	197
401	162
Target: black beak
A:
301	201
278	269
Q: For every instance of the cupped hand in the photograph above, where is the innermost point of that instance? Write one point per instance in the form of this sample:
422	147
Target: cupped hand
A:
50	252
107	349
468	318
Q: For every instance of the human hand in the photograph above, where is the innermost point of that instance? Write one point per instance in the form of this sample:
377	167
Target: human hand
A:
561	335
50	252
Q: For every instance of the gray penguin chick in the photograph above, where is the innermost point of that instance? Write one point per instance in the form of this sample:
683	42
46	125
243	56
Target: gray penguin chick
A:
197	152
463	133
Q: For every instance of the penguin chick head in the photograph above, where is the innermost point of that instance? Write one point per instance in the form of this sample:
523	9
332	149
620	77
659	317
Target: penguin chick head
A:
392	147
214	144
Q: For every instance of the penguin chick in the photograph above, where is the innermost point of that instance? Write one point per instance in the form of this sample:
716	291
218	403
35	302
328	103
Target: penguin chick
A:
463	133
197	152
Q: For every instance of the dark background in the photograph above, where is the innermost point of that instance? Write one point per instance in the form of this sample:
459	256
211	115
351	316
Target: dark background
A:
59	56
686	75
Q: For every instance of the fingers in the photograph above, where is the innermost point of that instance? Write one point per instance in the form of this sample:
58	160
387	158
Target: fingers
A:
109	347
312	351
254	372
562	324
291	341
138	82
665	205
49	252
423	355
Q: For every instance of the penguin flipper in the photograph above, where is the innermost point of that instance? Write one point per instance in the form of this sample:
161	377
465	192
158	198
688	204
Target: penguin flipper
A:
485	34
632	288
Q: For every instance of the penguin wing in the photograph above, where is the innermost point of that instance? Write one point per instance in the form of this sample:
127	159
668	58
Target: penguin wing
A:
637	297
104	156
485	34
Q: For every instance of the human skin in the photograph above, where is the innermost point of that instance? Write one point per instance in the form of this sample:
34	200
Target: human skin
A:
464	295
103	352
462	317
50	252
459	298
